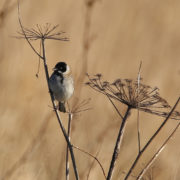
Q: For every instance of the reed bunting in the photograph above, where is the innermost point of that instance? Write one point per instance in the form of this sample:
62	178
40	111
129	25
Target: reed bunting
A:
61	84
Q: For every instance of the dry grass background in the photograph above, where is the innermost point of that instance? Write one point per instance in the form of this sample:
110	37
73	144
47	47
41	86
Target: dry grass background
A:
121	34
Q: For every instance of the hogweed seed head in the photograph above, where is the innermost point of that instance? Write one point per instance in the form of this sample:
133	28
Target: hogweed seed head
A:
81	106
133	94
42	32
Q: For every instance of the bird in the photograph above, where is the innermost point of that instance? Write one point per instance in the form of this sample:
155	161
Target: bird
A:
61	84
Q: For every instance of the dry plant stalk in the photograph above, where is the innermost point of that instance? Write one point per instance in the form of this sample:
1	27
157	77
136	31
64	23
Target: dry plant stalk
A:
144	170
138	114
151	139
42	33
70	115
136	96
77	109
91	166
94	157
118	144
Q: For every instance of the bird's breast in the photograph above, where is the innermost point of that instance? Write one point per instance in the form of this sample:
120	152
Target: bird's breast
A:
62	88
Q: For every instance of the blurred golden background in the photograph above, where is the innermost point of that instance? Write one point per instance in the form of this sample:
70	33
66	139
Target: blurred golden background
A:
108	37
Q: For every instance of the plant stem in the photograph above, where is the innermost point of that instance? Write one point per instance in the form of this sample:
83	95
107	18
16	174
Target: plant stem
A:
95	158
57	115
138	123
118	144
157	153
138	133
150	140
67	150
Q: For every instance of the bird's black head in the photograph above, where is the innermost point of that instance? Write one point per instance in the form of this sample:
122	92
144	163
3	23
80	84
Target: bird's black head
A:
61	66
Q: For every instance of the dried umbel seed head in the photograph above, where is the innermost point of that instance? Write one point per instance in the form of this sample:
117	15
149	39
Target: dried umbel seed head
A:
133	94
42	32
81	106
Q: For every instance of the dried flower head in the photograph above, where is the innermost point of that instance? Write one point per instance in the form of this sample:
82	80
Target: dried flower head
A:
42	32
133	94
81	106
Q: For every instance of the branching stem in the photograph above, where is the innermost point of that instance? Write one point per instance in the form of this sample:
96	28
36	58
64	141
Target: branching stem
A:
150	140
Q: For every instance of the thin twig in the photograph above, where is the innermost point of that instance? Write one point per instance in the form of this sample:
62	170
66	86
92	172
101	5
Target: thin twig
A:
19	18
118	144
81	106
138	123
92	157
39	63
114	106
157	153
150	140
67	149
88	175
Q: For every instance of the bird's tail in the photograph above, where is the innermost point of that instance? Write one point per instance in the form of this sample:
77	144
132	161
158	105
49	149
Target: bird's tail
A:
62	107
